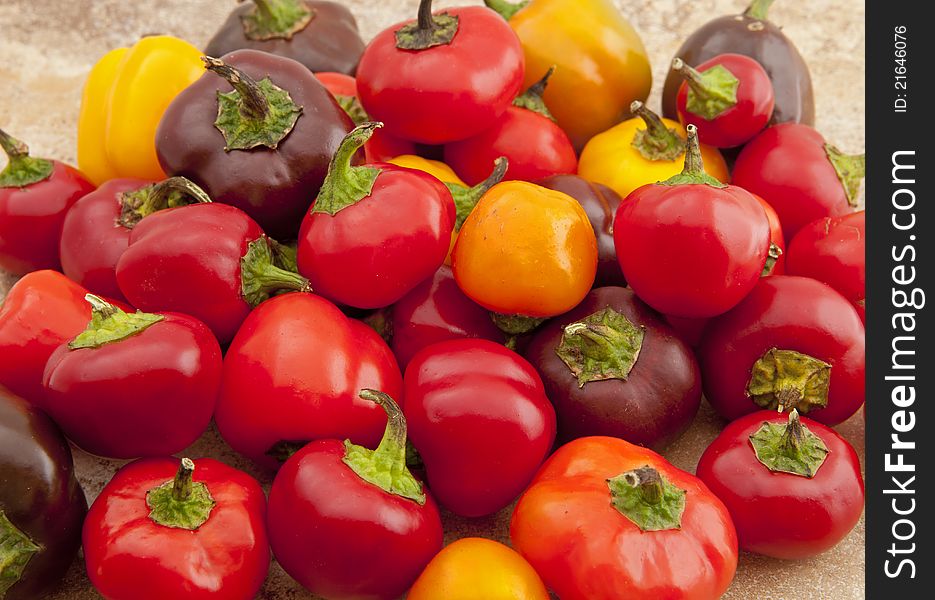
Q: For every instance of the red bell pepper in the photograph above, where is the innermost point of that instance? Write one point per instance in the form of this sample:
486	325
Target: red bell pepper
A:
605	519
168	363
526	134
200	535
350	523
35	194
97	228
479	417
40	312
210	261
442	78
293	374
375	231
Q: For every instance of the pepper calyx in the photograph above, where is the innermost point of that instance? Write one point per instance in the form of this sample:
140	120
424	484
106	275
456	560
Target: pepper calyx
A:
181	503
170	193
110	324
532	99
850	169
428	30
16	550
506	9
785	379
710	92
656	142
261	276
693	173
255	113
22	170
345	184
353	108
791	448
466	198
647	499
513	325
603	345
386	467
775	252
276	19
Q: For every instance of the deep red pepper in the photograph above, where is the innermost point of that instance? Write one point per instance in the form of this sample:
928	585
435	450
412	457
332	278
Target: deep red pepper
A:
802	176
375	231
776	262
97	228
792	486
161	529
729	98
293	374
480	419
434	311
210	261
35	194
832	250
40	312
351	523
444	77
526	134
794	343
691	246
168	363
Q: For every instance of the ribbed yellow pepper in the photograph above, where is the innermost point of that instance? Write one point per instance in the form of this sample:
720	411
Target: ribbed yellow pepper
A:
124	98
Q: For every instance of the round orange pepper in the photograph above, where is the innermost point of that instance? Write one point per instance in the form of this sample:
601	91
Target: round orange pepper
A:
526	250
473	568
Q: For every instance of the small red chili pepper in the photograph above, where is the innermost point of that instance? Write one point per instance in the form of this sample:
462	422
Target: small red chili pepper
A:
97	228
375	231
833	250
445	77
792	485
792	343
198	535
350	523
480	419
526	134
35	194
210	261
801	175
307	362
729	98
169	364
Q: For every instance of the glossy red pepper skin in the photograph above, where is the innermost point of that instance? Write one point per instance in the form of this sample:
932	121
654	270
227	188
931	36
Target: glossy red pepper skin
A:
792	313
130	557
40	312
739	123
434	311
171	370
691	250
293	374
783	515
600	203
776	238
448	92
187	260
342	537
787	166
92	240
480	419
535	146
31	219
372	253
39	496
832	250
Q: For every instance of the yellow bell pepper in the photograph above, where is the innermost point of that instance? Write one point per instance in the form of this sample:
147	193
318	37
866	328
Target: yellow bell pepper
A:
602	65
644	149
473	568
435	168
124	98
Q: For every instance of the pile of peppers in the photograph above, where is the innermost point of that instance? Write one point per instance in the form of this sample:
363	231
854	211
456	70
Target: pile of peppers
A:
462	269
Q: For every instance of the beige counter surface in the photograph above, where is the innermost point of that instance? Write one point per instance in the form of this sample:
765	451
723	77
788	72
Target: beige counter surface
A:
47	47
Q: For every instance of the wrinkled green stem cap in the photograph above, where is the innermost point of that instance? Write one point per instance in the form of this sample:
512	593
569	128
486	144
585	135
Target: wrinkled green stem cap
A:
16	550
656	142
466	198
264	272
786	379
345	184
790	448
22	170
532	98
516	324
386	467
711	92
647	499
603	345
111	324
180	503
505	8
171	193
272	19
428	31
850	169
693	173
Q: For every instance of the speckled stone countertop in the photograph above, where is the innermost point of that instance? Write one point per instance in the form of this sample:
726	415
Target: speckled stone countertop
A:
47	47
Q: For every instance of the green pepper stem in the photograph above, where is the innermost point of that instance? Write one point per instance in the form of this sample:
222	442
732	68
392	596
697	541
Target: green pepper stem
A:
758	9
648	481
793	435
393	443
13	147
467	198
255	104
182	484
346	184
691	76
100	306
532	98
693	163
426	22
